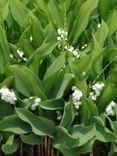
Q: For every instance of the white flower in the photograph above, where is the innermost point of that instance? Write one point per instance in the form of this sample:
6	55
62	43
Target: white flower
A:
71	49
11	55
59	31
31	38
66	47
112	104
109	109
92	96
75	52
85	45
37	100
76	97
8	96
24	58
83	74
73	87
20	53
36	103
98	25
97	88
59	115
59	38
82	47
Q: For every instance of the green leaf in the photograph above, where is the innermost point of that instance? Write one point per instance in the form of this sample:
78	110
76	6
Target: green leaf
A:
5	109
4	51
55	66
64	84
11	145
37	31
112	25
68	115
18	11
7	82
52	104
45	49
102	33
27	82
4	11
81	20
55	13
102	133
14	124
31	139
92	108
85	133
105	7
42	5
40	125
63	137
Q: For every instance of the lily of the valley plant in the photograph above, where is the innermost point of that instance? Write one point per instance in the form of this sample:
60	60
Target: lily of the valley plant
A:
58	75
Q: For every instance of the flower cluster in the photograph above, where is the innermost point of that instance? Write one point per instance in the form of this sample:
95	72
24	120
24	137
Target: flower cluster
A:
97	88
76	97
36	103
8	95
59	115
72	50
109	109
62	35
21	54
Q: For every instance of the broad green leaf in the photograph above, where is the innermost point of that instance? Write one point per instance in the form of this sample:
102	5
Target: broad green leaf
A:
8	82
92	108
102	33
67	151
4	11
80	65
5	109
45	49
81	20
18	11
42	5
102	133
37	31
63	137
31	139
85	133
104	8
112	25
85	112
11	145
52	104
50	33
66	80
68	115
4	51
57	16
40	125
14	124
27	82
55	66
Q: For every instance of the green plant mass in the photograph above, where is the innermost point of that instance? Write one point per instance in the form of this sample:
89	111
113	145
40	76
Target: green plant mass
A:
58	77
